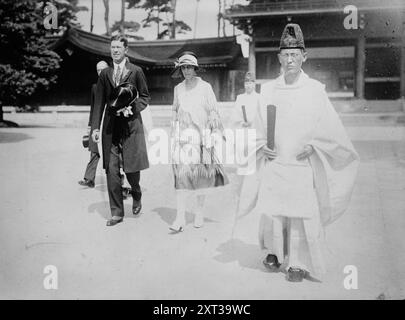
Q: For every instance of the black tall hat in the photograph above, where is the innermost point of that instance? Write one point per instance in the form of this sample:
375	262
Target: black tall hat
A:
123	95
292	37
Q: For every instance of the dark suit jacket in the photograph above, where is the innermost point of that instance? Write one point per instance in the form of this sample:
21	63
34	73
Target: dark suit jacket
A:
92	146
129	131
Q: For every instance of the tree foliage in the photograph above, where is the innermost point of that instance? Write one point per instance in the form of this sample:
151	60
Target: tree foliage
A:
159	13
130	27
26	62
67	10
181	27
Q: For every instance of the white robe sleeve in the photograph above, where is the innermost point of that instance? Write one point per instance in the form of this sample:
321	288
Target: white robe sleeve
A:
335	163
236	116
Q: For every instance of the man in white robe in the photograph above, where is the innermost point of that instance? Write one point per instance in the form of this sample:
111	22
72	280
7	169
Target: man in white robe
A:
241	121
307	180
243	114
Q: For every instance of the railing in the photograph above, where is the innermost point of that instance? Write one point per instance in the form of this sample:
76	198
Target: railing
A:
294	5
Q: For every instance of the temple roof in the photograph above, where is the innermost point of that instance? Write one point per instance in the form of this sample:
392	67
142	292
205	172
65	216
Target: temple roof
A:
211	52
265	8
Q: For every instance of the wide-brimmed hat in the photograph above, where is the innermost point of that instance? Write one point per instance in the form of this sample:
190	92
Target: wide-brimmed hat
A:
123	95
292	37
186	58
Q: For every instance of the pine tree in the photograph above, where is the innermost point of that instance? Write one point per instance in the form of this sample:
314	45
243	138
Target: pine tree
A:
26	62
161	12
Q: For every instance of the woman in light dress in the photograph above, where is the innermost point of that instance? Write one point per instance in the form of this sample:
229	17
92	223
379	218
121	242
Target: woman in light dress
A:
196	126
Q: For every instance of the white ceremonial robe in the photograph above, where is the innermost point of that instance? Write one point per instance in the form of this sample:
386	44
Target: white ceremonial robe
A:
246	179
310	193
250	101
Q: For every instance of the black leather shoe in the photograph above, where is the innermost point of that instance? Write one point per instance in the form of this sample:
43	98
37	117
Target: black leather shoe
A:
296	274
86	183
136	207
271	263
113	222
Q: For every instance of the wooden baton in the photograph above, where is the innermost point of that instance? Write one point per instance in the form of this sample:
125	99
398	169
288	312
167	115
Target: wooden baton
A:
244	113
271	125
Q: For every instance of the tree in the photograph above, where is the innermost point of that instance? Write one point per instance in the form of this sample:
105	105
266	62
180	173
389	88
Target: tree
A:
220	18
173	23
91	16
223	20
67	10
26	63
163	13
122	29
127	28
130	29
106	17
180	26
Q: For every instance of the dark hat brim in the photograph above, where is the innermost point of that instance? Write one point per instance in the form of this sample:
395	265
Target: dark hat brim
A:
123	95
176	73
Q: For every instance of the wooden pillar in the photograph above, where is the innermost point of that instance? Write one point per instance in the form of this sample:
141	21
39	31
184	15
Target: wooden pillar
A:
1	112
268	65
217	85
252	55
360	64
402	69
231	85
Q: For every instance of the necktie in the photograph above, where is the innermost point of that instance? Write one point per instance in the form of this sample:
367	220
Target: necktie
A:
117	76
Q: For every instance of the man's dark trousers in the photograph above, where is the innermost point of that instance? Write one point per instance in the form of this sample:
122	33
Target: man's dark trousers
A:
91	168
114	183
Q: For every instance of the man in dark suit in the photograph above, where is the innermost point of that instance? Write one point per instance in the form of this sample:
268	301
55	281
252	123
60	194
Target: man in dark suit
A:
123	134
90	173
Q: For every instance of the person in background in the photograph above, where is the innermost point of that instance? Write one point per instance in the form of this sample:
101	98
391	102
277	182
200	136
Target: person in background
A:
90	173
242	118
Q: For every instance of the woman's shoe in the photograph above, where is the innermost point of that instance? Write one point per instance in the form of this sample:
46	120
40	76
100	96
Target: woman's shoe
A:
198	220
177	226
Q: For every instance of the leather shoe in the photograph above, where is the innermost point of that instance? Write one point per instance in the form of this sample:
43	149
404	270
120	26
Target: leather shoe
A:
296	274
86	183
136	207
177	226
113	222
271	263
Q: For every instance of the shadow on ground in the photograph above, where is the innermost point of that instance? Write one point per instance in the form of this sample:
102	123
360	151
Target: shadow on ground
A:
103	209
12	137
34	126
168	215
8	124
247	255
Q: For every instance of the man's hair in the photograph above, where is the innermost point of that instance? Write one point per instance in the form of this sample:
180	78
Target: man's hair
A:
121	38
